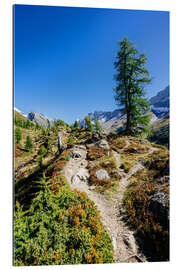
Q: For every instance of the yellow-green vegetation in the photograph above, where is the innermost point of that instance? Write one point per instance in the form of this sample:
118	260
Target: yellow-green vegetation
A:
117	143
143	185
61	226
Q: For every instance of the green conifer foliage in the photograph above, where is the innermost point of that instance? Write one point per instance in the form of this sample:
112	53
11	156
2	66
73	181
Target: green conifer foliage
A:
131	78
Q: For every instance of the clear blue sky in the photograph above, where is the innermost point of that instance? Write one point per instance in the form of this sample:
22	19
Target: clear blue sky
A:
64	56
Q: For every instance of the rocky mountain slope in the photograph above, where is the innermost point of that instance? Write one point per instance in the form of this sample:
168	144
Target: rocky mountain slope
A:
160	103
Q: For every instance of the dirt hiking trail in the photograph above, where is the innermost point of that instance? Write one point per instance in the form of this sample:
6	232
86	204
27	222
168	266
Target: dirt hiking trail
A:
123	239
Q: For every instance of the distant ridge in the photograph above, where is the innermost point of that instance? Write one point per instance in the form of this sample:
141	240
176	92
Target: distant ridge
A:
112	121
160	103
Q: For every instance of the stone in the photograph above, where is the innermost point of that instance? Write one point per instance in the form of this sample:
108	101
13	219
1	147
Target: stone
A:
103	144
164	180
159	206
81	175
76	153
102	174
75	180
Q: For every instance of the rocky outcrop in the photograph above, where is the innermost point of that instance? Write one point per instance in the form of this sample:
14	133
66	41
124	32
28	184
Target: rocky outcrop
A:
102	174
103	144
78	152
40	119
159	206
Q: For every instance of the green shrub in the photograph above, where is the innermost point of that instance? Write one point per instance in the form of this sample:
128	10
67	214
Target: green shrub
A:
61	227
70	140
42	151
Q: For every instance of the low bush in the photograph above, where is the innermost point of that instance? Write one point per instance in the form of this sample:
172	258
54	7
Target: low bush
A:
61	227
42	151
96	152
70	140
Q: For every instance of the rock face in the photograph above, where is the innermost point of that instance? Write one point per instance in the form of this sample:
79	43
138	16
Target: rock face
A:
102	174
160	103
81	175
40	119
159	206
103	144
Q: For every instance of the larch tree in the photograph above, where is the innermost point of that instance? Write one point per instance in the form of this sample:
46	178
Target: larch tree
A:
131	78
98	127
88	123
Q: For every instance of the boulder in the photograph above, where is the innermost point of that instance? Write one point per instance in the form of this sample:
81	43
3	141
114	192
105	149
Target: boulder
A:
78	152
81	175
102	174
164	180
159	206
103	144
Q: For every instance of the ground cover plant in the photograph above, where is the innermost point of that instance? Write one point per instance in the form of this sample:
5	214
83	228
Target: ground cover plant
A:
150	226
61	226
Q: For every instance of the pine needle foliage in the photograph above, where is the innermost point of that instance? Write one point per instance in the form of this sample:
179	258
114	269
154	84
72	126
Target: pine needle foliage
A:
131	78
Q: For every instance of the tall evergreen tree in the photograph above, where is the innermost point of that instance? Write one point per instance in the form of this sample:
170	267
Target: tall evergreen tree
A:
131	78
88	122
76	125
97	126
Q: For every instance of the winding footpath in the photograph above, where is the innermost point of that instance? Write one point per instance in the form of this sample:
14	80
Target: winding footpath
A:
123	239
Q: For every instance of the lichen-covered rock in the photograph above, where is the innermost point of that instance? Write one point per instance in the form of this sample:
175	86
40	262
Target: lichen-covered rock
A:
103	144
159	206
102	174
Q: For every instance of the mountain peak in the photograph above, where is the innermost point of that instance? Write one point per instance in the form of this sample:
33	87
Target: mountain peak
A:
40	119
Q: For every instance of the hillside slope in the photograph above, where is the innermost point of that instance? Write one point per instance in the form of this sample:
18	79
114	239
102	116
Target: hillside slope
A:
85	187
